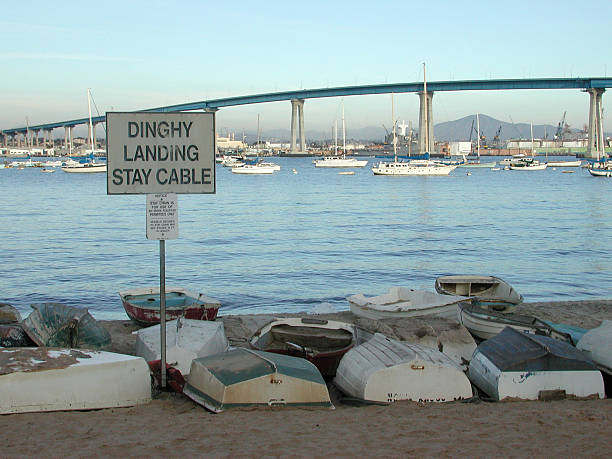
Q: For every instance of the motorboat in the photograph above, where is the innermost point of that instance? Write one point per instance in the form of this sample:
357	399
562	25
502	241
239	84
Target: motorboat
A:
323	342
413	167
257	168
386	370
244	377
486	324
527	164
516	365
405	302
340	161
576	163
186	339
142	305
597	345
489	291
60	379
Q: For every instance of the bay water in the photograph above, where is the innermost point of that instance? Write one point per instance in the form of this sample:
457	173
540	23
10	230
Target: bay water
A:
304	241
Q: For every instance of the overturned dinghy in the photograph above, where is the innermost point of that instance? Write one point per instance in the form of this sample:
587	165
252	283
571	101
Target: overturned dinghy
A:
405	302
489	291
386	370
243	377
597	345
323	342
59	325
45	379
519	365
186	339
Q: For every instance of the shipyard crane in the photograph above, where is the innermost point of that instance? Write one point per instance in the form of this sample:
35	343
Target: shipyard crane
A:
560	128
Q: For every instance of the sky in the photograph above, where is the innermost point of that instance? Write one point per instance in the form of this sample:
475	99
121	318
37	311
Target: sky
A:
143	54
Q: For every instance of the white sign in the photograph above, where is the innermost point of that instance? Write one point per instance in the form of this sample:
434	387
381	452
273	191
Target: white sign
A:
162	216
153	152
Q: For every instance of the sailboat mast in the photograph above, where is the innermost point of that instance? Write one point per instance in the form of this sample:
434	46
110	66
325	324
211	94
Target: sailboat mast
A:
393	124
478	135
90	123
336	137
343	132
532	149
257	146
426	108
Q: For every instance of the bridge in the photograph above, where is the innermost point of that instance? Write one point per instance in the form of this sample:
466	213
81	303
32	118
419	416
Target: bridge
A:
594	86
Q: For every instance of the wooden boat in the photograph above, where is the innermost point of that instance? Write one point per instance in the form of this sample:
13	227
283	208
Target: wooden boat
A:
520	365
405	302
597	345
486	324
186	339
323	342
243	377
59	325
142	305
50	379
386	370
490	291
13	335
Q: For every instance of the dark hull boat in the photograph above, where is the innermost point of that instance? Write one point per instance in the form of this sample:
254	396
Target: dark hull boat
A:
323	342
142	305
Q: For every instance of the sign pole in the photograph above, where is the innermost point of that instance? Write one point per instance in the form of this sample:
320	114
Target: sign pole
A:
162	308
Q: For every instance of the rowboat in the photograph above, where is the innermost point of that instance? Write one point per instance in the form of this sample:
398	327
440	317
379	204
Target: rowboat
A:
486	324
405	302
142	305
186	339
243	377
519	365
13	335
597	345
58	379
322	342
489	291
386	370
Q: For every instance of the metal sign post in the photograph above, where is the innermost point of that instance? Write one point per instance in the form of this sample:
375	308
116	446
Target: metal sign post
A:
160	154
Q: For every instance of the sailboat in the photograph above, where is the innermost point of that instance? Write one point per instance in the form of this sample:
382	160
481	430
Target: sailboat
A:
258	166
342	160
477	163
602	167
414	166
91	165
528	163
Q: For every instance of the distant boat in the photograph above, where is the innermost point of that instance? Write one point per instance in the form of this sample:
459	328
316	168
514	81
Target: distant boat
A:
386	370
491	291
243	377
405	302
516	365
576	163
346	173
142	305
476	163
528	164
323	342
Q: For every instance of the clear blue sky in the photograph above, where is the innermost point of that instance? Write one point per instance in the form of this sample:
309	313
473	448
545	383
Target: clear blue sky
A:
142	54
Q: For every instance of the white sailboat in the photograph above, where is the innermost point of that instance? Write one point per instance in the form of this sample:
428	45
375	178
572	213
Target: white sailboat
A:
259	166
415	166
342	160
602	167
477	163
528	163
89	166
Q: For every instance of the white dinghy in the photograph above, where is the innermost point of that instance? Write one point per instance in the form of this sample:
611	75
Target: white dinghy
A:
386	370
50	379
517	365
405	302
490	291
597	345
186	339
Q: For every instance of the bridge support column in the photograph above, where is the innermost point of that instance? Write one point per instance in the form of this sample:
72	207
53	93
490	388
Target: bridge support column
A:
595	122
49	138
36	132
297	111
426	132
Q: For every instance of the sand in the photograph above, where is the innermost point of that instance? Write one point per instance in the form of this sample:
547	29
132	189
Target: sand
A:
173	426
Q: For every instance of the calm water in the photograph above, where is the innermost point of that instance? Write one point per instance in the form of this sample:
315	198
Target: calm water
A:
295	242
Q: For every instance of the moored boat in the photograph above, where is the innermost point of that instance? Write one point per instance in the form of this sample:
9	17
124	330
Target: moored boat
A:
142	305
405	302
186	339
386	370
323	342
486	324
597	345
243	377
518	365
489	291
50	379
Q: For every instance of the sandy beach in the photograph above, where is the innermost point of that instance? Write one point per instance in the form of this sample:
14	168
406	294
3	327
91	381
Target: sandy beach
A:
173	426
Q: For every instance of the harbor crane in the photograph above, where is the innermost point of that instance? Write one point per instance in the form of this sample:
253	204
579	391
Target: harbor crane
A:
560	128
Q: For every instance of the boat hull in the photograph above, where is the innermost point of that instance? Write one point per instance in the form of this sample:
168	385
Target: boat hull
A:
48	379
410	169
490	291
85	169
597	345
143	305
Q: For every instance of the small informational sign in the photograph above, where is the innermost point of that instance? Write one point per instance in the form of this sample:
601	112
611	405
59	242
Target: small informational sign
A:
158	152
162	216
